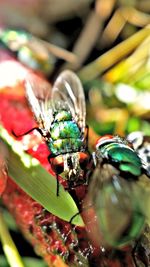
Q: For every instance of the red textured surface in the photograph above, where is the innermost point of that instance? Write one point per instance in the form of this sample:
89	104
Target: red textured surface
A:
3	178
51	237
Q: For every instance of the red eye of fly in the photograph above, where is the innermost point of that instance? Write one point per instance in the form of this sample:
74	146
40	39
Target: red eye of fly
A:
57	164
84	160
104	139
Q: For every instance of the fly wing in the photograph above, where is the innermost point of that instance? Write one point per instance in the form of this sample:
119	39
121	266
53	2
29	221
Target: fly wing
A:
68	89
115	201
38	92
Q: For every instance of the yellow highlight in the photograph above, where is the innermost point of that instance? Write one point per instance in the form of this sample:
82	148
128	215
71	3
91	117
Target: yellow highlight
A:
9	247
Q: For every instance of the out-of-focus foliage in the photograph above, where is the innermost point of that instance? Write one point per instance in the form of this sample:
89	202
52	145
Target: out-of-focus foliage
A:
109	41
28	262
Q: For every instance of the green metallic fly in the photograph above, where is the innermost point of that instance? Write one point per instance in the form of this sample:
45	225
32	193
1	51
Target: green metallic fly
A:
27	49
60	113
114	195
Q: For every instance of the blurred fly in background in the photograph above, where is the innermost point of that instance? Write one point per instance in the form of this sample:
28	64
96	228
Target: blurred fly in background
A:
106	45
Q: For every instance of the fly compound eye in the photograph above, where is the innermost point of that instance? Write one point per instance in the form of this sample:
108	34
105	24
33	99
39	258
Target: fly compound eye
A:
57	164
84	160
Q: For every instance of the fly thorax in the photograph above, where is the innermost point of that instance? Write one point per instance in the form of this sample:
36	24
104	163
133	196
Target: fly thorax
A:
125	157
62	115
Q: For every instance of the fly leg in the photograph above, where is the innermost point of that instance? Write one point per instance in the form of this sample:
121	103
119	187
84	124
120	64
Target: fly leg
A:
30	141
80	211
57	190
72	218
31	130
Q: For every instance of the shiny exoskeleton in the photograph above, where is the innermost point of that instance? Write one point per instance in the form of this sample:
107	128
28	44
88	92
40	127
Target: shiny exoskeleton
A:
114	194
28	49
60	113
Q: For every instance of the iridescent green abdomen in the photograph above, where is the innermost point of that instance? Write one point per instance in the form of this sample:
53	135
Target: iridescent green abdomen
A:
65	134
126	158
65	129
62	146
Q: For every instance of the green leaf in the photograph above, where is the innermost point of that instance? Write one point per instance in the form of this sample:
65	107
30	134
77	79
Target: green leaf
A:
9	220
110	58
27	172
3	261
28	262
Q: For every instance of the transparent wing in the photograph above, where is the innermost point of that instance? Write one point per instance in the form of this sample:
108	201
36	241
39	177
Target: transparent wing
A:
116	203
38	92
68	90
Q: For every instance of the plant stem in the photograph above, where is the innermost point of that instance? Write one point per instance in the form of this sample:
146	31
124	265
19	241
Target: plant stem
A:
9	247
107	60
